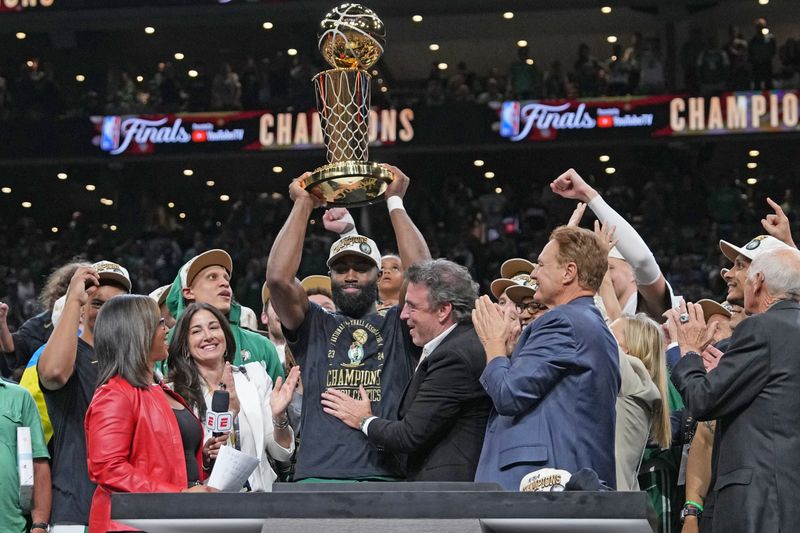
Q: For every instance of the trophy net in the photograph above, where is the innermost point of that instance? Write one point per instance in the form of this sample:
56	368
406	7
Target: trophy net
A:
343	97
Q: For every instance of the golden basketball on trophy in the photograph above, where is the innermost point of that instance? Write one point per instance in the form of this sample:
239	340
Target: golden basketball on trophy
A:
351	39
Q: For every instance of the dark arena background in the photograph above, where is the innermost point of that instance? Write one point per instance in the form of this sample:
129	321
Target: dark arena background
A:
685	147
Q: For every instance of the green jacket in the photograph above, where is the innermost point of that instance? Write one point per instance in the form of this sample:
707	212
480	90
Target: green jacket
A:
250	346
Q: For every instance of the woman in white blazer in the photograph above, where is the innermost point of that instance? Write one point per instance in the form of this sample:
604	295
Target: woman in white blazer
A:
200	363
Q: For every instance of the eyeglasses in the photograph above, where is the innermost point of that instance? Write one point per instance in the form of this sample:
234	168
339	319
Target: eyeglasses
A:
531	307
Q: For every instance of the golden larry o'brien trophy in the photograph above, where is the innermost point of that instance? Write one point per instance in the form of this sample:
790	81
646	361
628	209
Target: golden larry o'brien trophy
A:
351	39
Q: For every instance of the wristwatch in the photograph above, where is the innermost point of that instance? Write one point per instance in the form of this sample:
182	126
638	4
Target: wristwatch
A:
41	525
690	510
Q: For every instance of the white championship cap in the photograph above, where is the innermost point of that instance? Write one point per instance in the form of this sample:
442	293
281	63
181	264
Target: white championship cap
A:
355	245
754	248
545	480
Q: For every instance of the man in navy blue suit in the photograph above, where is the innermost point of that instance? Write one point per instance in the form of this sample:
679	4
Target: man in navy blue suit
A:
554	397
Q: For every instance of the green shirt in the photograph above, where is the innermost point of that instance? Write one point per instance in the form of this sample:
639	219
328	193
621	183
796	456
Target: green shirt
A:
252	347
17	409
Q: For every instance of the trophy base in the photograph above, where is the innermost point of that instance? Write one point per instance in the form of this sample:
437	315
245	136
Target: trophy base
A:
349	183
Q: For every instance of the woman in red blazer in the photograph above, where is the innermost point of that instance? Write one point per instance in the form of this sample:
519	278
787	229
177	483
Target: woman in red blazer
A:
140	436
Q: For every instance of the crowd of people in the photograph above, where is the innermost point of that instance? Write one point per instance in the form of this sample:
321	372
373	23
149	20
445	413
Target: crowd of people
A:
398	366
681	212
742	63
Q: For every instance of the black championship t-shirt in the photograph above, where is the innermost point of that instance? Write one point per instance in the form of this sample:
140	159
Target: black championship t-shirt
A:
336	351
72	490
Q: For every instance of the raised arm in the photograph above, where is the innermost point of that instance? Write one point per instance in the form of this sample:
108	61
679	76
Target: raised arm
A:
286	294
339	221
411	244
6	340
57	362
649	280
777	224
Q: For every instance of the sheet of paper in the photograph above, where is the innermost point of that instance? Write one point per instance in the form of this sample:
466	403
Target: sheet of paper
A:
231	469
25	466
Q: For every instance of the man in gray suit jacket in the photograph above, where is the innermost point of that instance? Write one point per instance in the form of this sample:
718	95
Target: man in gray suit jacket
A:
442	416
554	397
753	394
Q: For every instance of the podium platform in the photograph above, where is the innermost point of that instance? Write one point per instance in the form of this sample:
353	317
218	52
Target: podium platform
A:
384	507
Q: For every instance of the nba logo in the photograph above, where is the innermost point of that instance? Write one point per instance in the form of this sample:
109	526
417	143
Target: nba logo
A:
509	119
109	136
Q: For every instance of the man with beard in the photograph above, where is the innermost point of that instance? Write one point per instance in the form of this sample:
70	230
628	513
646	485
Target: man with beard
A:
354	347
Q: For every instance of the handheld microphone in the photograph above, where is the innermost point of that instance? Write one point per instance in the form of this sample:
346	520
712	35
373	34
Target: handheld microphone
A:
218	419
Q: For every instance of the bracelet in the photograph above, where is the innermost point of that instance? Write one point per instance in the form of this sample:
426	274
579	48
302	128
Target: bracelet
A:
694	504
692	352
281	425
394	202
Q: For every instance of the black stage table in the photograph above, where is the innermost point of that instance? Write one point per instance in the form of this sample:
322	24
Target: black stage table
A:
384	507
